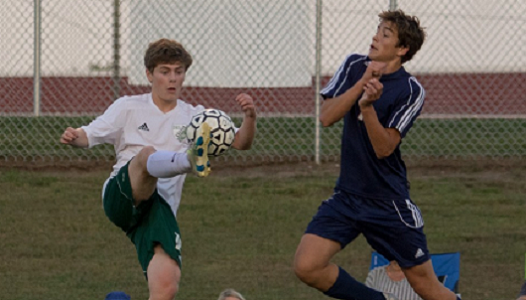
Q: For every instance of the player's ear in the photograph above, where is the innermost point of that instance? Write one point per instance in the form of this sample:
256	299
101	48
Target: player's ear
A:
149	76
402	51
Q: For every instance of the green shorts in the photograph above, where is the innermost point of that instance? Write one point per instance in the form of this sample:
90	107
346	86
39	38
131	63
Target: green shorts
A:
152	222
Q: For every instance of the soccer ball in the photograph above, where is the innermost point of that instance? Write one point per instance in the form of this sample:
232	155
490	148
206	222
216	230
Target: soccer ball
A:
222	130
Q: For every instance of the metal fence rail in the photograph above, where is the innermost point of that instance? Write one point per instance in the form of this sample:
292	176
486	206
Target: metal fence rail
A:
64	62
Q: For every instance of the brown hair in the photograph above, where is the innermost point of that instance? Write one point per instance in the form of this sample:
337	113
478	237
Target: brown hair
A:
230	293
410	33
165	51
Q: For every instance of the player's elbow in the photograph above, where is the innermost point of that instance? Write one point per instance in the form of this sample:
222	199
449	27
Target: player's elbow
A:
385	147
325	122
242	145
383	153
246	147
381	156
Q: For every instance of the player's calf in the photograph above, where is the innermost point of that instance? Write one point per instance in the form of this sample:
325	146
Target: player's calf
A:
425	283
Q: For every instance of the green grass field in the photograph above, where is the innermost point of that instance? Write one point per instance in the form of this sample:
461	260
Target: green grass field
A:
240	229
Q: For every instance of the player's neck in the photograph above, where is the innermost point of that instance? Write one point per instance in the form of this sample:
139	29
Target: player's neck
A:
164	105
392	66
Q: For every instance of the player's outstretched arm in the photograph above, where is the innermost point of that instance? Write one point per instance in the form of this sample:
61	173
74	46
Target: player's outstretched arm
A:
334	109
74	137
247	131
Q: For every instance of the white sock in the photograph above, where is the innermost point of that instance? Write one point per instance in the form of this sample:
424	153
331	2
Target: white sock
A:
166	164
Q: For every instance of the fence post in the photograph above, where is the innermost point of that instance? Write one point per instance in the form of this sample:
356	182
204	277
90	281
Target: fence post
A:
116	50
393	5
317	82
36	57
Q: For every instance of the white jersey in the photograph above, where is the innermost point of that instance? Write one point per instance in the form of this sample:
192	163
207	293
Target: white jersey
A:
133	122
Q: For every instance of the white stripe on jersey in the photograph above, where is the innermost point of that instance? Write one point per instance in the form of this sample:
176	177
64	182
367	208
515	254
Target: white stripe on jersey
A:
333	80
417	215
413	109
411	112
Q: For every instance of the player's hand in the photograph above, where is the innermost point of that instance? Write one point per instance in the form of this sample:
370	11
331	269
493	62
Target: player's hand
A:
247	105
371	92
69	136
375	69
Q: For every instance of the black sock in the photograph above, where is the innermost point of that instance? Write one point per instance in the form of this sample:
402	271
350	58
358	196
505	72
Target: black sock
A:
347	288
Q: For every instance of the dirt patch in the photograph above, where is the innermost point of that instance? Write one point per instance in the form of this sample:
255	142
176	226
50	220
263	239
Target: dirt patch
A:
278	170
477	170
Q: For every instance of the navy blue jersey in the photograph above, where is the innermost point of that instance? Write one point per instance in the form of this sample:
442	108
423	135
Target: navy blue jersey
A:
361	172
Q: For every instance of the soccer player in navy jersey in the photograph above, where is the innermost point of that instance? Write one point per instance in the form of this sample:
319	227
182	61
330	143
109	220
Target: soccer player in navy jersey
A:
379	101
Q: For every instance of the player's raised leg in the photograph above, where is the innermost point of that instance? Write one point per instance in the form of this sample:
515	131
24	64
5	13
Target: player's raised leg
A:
312	261
149	164
143	184
166	164
312	266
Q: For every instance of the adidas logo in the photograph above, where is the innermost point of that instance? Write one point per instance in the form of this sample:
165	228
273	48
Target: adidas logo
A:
419	253
143	127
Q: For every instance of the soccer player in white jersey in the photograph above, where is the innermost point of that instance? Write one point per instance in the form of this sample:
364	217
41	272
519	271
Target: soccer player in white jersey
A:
378	102
143	192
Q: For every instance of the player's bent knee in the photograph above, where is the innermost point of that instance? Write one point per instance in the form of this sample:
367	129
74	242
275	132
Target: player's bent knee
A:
308	278
165	287
163	275
145	152
166	294
169	291
139	162
300	272
305	271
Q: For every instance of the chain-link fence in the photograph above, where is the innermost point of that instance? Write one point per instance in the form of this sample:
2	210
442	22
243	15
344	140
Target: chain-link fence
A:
63	62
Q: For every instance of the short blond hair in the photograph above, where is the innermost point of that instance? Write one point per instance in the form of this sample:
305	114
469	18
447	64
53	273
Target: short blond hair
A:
230	293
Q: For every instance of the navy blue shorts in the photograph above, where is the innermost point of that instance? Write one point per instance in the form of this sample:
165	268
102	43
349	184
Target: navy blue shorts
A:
394	228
